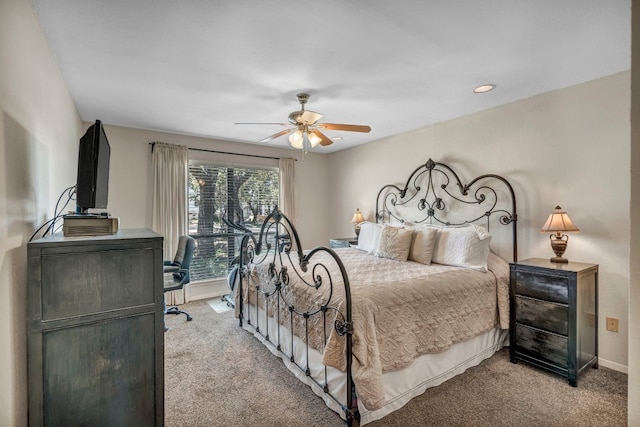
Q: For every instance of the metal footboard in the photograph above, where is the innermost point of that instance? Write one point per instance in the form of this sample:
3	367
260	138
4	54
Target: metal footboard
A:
274	264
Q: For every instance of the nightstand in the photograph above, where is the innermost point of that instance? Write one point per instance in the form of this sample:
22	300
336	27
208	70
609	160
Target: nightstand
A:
554	315
343	242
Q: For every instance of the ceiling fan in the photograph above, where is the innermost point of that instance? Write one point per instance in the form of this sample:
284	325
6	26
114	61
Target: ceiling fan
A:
305	123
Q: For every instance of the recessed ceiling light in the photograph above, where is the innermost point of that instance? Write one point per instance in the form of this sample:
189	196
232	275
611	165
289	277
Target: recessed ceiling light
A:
336	138
484	88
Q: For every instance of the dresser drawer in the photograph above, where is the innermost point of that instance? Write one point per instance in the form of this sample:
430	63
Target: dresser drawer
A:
542	314
96	281
542	345
542	286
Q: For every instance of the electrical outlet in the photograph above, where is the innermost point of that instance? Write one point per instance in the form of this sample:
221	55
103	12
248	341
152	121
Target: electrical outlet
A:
612	324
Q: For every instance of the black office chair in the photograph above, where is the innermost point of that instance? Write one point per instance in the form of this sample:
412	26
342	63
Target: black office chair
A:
177	271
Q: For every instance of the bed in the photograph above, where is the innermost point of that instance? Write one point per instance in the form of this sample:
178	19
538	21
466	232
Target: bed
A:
421	298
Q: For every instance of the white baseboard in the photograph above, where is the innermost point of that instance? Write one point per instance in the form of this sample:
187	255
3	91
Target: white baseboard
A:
207	289
613	365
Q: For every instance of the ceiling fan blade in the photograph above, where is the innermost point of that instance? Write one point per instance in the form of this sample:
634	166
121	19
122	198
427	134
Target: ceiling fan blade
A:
309	117
281	124
324	141
277	135
350	128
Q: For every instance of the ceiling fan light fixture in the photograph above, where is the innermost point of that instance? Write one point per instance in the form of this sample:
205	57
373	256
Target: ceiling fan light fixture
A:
313	139
484	88
305	131
296	140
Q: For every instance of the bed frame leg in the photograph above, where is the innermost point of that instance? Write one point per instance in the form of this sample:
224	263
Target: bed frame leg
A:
353	418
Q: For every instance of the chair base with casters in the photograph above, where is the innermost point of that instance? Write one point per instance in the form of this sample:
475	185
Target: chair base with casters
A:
175	310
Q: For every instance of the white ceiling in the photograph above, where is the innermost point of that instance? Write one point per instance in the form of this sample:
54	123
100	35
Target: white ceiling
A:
198	66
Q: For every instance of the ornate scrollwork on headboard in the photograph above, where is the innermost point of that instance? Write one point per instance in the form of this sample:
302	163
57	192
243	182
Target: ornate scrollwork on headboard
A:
434	194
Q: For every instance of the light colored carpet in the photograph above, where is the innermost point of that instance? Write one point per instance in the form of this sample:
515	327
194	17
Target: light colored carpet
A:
217	374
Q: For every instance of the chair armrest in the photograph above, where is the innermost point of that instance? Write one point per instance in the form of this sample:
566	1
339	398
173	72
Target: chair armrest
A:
182	275
176	280
170	268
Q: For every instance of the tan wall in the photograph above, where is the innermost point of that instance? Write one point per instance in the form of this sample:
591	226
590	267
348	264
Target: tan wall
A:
39	131
568	147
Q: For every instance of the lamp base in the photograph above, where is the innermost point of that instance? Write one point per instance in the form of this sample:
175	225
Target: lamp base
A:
559	245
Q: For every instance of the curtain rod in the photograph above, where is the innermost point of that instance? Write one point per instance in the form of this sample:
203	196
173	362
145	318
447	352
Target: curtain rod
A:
152	144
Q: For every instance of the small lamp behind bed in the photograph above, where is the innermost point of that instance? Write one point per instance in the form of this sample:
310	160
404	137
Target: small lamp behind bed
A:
558	222
356	220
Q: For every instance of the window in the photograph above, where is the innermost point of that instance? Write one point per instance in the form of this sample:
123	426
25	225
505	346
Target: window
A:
243	196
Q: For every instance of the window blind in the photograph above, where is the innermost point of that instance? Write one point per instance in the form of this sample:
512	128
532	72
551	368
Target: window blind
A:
241	195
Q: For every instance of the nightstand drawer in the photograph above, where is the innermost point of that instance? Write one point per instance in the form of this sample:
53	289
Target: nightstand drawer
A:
542	314
542	345
542	286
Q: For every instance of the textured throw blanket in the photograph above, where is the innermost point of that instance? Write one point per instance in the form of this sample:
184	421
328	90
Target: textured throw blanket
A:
401	310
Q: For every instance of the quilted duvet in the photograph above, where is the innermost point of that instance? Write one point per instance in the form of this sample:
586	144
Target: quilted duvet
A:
401	310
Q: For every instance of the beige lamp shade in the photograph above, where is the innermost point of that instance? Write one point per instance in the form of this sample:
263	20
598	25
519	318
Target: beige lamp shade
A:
559	222
357	217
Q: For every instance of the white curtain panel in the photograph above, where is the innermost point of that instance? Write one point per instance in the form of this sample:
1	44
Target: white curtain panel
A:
170	166
287	199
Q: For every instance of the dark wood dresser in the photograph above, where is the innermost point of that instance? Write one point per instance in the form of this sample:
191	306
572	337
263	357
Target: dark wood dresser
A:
554	315
95	330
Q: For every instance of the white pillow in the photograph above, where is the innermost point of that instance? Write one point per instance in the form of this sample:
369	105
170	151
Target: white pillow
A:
369	236
422	244
394	243
466	246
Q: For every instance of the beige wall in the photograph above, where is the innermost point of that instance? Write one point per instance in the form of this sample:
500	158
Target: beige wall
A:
634	289
39	131
130	185
568	147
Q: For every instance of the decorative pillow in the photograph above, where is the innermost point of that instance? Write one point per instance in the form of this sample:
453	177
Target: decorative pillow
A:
394	243
466	246
369	236
422	244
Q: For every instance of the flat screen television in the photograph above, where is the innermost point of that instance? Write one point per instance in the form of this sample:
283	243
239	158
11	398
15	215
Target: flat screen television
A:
92	185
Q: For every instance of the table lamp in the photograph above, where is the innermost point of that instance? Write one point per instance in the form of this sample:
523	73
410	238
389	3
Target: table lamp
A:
356	220
559	222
